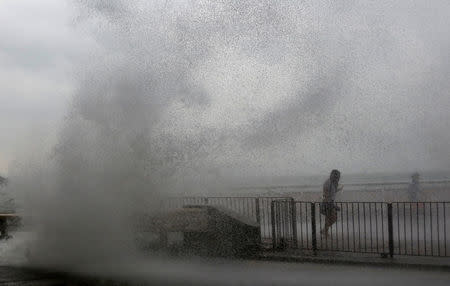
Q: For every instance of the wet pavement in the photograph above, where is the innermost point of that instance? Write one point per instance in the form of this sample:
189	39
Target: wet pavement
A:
323	269
398	261
12	275
223	272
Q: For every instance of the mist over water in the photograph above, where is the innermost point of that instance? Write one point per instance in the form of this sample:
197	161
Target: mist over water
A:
182	96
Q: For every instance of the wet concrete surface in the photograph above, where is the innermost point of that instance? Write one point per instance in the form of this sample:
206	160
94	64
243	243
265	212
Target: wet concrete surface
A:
222	272
15	270
330	257
13	275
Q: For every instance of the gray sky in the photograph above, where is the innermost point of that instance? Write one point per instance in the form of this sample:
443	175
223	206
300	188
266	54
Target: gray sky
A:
37	49
293	88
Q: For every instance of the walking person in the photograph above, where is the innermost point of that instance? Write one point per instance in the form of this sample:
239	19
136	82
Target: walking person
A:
328	208
414	189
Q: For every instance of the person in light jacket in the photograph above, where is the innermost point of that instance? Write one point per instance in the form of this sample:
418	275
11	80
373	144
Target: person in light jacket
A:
328	208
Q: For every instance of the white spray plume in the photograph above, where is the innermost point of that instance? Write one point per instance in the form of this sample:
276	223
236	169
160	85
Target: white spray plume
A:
180	92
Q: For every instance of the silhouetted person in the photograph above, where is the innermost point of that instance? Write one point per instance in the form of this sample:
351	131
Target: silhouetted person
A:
414	188
328	208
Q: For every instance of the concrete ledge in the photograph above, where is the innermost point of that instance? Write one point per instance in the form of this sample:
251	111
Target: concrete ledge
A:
430	263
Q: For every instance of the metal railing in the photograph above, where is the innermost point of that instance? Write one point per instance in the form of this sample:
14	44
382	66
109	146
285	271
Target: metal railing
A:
360	227
421	228
398	228
283	217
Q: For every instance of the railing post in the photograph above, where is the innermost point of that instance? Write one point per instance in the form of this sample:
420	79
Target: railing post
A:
205	201
313	228
257	213
390	231
294	222
258	219
272	216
